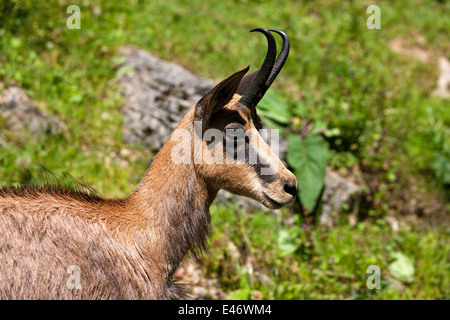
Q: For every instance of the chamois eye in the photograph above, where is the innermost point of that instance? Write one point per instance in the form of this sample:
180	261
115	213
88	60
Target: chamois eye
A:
234	130
234	127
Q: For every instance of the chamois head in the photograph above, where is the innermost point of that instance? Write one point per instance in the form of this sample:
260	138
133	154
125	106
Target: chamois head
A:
229	151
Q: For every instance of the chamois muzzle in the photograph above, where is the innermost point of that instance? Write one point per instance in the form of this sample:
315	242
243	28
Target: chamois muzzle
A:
291	188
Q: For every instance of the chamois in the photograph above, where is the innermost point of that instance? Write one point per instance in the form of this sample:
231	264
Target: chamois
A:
62	243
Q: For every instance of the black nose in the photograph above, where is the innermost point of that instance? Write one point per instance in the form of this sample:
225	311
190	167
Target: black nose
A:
290	188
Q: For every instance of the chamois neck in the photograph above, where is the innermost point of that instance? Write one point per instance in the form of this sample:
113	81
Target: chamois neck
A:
176	202
166	179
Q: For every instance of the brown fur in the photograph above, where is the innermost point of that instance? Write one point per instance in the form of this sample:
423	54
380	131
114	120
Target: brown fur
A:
125	248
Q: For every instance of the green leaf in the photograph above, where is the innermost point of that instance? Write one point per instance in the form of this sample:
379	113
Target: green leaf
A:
287	244
308	157
274	110
402	268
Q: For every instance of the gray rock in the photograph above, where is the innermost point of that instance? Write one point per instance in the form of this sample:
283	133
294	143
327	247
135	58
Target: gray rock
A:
338	191
19	112
157	95
443	85
224	197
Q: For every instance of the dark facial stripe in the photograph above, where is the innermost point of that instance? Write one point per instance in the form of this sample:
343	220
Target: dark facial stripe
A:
256	167
265	179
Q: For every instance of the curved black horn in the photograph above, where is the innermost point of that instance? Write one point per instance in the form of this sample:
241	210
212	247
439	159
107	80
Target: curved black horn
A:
253	93
281	59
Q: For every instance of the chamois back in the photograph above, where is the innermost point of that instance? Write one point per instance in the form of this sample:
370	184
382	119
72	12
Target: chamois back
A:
43	247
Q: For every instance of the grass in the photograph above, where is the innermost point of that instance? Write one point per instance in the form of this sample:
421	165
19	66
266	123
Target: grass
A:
340	76
277	259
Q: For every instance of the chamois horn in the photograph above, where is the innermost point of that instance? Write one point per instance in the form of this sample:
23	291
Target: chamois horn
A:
269	69
252	94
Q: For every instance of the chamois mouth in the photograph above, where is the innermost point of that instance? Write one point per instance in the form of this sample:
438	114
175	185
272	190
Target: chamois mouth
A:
275	203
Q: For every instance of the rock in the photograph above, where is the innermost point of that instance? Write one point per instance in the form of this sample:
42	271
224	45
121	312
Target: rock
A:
338	191
443	86
393	223
247	204
199	286
414	46
19	112
157	95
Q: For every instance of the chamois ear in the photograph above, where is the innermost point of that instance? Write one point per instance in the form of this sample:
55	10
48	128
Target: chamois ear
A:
246	82
218	97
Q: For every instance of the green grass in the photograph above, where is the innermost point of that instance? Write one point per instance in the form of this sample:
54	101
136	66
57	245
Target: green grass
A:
288	263
340	76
